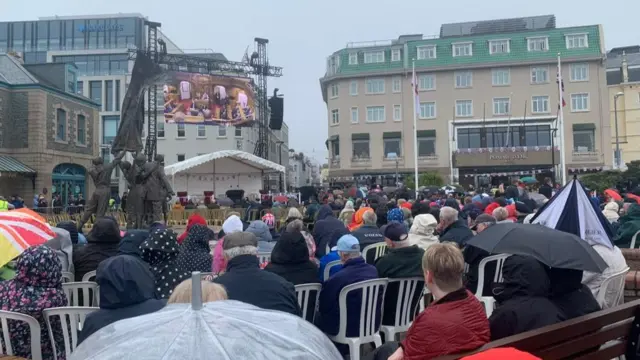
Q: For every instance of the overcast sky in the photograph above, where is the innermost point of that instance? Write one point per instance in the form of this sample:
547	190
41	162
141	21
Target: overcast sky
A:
303	33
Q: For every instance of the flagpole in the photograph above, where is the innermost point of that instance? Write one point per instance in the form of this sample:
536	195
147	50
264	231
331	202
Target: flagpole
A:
561	145
415	127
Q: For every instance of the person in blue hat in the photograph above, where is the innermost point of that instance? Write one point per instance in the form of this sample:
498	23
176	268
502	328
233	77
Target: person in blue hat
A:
354	269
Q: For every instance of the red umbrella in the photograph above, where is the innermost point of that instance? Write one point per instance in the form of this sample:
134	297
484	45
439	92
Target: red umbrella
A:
634	197
281	198
613	194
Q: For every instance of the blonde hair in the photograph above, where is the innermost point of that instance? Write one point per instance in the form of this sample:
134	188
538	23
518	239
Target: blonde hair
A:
446	263
294	213
210	292
401	201
500	214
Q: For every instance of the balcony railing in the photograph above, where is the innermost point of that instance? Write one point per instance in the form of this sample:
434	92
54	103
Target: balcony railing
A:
360	161
585	156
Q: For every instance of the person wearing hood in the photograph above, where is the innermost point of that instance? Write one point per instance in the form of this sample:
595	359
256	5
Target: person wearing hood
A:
262	232
395	215
131	241
368	233
72	228
422	232
522	298
452	228
160	251
615	264
347	213
569	294
194	219
290	260
231	224
332	255
195	252
102	243
126	290
629	224
611	211
63	247
326	223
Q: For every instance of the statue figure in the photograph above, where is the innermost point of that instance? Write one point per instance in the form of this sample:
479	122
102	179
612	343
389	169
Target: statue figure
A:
165	203
135	202
156	190
101	176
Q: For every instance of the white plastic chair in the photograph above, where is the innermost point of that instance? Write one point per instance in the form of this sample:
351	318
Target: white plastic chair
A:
304	293
71	326
327	269
67	277
88	288
264	257
379	249
34	329
410	292
614	283
488	301
633	240
90	276
370	309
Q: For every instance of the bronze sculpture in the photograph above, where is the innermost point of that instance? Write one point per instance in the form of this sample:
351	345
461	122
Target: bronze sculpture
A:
135	202
156	190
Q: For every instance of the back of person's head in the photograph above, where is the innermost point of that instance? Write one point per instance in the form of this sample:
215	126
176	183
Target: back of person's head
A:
124	280
406	212
424	224
291	248
369	217
295	225
448	215
104	230
39	267
72	228
294	213
435	211
500	214
260	230
232	224
336	234
210	292
501	201
240	243
443	266
468	200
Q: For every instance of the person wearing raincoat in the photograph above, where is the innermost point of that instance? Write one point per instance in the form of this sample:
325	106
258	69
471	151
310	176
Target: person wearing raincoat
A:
629	225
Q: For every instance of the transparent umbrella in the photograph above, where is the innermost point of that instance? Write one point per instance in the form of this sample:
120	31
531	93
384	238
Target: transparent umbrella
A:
216	330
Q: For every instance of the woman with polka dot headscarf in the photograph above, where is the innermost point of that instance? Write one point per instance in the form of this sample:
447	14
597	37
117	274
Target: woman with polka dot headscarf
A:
161	251
195	252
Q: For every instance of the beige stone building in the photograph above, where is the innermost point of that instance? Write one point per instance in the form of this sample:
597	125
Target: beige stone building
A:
48	133
488	103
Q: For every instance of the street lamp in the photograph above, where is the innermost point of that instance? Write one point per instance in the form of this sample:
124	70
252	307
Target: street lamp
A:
394	156
615	116
280	180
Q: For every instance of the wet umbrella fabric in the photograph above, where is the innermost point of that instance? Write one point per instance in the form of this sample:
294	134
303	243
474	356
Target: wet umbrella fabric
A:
551	247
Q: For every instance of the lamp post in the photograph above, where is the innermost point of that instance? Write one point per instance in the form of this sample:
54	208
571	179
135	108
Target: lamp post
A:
615	116
394	156
280	181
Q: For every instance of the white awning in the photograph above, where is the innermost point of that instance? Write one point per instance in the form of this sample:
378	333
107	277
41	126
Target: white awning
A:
250	161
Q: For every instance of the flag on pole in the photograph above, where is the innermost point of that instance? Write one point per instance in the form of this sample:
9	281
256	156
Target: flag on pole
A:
416	94
560	84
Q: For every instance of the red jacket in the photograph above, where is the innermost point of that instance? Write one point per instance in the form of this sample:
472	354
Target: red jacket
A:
489	209
454	324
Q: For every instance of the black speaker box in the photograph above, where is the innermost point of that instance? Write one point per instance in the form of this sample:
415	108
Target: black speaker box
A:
277	108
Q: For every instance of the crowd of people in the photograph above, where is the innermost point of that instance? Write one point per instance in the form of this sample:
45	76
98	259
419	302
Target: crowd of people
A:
140	271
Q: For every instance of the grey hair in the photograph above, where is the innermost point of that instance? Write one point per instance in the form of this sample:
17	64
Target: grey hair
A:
350	254
449	214
370	217
295	225
240	250
500	214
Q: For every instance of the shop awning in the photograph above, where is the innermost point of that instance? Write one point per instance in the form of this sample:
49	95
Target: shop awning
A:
578	127
9	164
426	133
392	135
332	138
360	136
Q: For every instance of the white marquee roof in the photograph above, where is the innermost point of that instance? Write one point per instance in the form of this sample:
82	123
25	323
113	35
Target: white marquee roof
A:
256	163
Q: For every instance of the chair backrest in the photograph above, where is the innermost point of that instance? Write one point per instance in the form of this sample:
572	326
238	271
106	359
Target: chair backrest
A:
67	277
371	308
34	329
264	257
70	326
497	276
90	276
307	295
372	252
327	269
401	299
613	284
81	293
633	240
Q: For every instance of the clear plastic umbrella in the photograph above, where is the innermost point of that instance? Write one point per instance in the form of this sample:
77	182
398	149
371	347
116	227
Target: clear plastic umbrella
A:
216	330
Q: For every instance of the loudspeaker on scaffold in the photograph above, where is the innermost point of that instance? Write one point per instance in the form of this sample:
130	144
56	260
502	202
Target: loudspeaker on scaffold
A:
276	104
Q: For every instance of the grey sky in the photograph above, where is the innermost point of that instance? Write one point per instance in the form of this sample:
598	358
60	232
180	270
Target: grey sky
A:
303	33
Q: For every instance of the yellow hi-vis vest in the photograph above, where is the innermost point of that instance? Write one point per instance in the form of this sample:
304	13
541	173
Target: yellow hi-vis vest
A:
4	205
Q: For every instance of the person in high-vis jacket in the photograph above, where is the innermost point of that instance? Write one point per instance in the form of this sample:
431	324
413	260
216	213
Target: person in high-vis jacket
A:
5	205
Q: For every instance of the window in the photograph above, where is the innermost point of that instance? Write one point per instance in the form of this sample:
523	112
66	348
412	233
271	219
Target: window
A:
499	47
395	55
353	58
61	125
538	43
71	81
108	95
580	102
335	117
426	82
181	131
375	86
579	72
238	132
375	114
500	77
577	41
80	88
354	115
539	75
501	106
464	79
335	149
160	129
502	136
426	146
396	84
462	49
464	108
333	91
468	138
428	110
537	135
372	57
540	104
353	88
181	157
222	131
361	149
95	91
118	100
584	140
392	146
81	130
202	131
109	128
397	113
426	52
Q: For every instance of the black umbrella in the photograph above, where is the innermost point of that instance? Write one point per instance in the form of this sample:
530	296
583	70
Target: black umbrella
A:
554	248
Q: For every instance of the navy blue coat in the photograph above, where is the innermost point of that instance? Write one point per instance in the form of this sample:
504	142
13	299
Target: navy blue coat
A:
324	227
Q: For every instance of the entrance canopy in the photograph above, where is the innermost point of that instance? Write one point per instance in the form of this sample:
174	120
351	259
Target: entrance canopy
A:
224	162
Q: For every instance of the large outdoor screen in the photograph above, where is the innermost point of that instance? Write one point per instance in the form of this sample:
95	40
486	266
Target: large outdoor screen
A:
208	99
